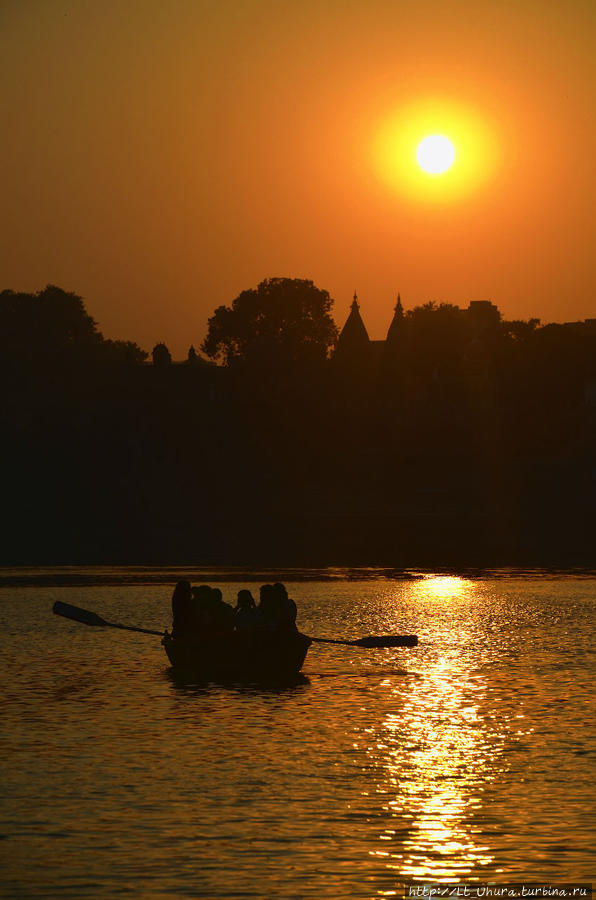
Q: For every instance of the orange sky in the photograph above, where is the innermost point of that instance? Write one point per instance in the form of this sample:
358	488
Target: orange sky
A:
159	158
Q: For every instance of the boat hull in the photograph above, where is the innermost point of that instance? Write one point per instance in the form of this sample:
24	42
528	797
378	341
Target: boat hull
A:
251	655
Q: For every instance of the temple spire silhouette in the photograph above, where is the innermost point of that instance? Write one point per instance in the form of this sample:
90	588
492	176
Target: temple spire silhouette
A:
353	336
396	329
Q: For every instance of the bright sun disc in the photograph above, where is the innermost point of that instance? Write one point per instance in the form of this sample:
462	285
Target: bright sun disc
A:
435	154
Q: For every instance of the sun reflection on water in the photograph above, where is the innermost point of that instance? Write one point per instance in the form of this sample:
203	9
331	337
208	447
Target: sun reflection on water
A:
445	587
435	754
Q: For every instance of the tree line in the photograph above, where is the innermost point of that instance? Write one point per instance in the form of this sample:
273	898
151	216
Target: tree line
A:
463	436
283	323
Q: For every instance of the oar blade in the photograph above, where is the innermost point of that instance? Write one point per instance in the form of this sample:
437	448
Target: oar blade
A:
388	640
77	614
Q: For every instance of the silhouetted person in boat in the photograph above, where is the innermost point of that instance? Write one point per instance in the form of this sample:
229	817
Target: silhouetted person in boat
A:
276	609
210	614
245	600
222	613
266	607
245	613
201	601
284	606
182	611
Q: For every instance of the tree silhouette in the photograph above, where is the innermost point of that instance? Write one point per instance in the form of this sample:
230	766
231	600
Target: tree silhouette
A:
122	353
519	330
161	355
51	325
52	328
436	335
283	320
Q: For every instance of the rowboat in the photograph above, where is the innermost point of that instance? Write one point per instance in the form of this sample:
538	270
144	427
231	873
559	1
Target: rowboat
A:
245	654
258	655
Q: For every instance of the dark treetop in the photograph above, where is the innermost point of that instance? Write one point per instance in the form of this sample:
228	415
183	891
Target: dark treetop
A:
285	320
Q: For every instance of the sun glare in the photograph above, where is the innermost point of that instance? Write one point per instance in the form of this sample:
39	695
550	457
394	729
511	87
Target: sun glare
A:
435	154
445	587
413	155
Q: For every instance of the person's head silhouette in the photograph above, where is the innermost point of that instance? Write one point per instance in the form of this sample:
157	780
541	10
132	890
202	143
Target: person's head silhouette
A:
245	600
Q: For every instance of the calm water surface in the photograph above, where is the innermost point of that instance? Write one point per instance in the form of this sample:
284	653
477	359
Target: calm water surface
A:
468	758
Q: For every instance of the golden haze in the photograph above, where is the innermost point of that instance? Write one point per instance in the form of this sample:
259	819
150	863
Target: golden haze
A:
161	158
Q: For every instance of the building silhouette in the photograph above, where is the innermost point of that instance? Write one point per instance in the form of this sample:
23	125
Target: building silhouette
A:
354	345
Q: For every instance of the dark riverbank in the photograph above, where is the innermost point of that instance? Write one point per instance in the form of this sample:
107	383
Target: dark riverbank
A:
450	447
400	542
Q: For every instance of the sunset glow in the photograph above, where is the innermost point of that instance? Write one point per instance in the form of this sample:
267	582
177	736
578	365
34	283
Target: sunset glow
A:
206	148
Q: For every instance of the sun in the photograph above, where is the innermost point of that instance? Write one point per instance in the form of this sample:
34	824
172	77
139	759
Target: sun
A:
435	151
435	154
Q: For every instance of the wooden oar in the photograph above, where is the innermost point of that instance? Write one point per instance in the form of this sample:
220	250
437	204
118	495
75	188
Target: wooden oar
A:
382	640
91	618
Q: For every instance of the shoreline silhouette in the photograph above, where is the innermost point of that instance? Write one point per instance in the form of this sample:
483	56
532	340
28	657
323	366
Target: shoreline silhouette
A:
460	440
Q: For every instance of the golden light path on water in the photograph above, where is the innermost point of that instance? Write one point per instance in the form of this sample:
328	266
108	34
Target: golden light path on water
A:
435	787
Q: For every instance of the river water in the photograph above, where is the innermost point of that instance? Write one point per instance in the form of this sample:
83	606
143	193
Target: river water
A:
469	758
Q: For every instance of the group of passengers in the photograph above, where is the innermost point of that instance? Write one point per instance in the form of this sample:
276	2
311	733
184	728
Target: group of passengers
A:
201	611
